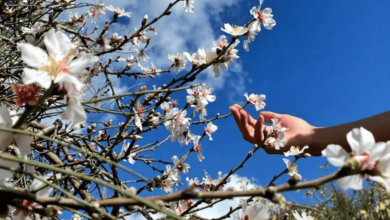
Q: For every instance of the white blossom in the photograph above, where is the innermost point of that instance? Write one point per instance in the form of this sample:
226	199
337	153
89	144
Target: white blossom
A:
196	58
303	217
264	17
277	139
138	116
197	148
129	158
35	29
201	93
292	168
75	110
176	123
96	11
178	61
56	67
209	129
166	106
141	55
189	6
76	217
118	11
193	182
257	211
295	151
256	100
201	108
180	166
215	67
235	31
6	138
250	36
373	157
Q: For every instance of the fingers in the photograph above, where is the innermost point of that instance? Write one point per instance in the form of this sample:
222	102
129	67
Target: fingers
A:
236	114
270	115
247	129
259	135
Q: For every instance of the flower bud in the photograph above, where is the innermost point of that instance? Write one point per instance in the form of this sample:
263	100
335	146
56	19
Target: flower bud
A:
295	179
144	20
154	30
231	189
132	190
143	88
53	211
136	137
306	155
270	190
129	66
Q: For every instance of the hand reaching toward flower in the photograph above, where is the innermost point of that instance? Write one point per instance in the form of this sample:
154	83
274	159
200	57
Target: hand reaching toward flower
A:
299	132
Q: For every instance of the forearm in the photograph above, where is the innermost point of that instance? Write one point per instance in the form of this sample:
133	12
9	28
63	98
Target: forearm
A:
379	125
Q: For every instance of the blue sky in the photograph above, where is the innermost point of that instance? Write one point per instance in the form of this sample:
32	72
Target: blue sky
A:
325	61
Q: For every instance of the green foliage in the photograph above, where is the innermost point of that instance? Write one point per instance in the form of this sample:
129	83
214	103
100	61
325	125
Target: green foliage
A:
329	202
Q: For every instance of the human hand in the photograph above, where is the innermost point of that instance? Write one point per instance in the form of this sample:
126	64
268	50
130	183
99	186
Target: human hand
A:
299	133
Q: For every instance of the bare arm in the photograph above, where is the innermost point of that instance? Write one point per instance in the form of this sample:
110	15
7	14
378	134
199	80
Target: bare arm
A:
379	125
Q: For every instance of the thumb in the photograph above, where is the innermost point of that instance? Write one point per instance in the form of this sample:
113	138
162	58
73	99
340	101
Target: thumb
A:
270	115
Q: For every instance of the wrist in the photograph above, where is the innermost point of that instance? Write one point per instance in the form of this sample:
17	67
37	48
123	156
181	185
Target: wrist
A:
317	137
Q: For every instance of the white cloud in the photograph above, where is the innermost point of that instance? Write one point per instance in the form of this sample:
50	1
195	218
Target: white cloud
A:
238	84
223	207
220	208
178	32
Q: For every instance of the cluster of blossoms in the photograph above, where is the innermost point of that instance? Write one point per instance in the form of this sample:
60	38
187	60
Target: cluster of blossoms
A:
199	97
208	184
224	60
264	17
40	189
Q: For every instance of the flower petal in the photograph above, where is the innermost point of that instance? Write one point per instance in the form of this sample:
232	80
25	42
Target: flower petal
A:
35	76
384	182
244	206
360	140
75	111
377	151
351	182
5	117
23	142
72	83
336	155
216	71
258	211
32	55
79	64
58	44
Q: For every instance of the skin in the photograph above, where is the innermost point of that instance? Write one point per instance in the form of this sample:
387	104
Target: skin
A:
301	133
